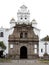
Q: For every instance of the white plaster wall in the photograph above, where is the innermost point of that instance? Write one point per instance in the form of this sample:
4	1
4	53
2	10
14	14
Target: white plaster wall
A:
1	39
42	46
48	47
7	33
34	25
5	38
37	32
12	25
2	30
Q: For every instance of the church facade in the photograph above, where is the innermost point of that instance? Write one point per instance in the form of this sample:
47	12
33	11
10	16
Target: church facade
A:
23	41
22	38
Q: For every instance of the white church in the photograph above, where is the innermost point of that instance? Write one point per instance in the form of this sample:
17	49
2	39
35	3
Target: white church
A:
21	14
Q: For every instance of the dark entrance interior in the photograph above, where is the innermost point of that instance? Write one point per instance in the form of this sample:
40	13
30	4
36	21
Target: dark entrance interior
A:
1	54
23	52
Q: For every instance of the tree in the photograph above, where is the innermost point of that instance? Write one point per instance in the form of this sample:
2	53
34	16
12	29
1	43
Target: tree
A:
2	45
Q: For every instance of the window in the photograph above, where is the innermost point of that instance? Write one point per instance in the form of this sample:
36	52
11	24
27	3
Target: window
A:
35	51
25	18
1	34
21	18
41	50
25	35
11	45
35	46
21	35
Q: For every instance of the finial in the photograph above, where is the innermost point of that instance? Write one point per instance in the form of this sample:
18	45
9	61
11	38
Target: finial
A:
34	21
23	6
12	19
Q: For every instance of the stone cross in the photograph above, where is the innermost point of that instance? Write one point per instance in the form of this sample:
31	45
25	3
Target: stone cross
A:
46	47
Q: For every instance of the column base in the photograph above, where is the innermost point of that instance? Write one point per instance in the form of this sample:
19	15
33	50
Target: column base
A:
46	56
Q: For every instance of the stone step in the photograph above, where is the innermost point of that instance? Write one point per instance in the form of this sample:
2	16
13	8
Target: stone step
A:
24	62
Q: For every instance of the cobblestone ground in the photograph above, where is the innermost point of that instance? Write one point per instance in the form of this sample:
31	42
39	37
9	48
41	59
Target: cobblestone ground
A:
24	62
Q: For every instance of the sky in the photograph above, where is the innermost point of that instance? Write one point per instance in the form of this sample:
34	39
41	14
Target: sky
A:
39	10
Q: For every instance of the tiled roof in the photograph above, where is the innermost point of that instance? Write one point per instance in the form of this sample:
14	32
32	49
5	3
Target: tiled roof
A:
45	38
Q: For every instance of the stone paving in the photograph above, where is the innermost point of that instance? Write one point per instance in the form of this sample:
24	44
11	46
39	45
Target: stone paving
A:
24	62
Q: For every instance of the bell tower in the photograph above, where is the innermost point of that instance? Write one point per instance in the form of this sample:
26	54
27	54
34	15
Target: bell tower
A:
23	15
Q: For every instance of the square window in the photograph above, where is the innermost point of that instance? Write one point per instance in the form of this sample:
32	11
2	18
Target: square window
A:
35	51
35	46
11	45
1	34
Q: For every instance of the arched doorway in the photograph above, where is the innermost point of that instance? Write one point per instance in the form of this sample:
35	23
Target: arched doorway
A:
23	52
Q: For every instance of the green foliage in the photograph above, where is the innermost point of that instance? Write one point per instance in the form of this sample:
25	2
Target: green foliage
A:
4	60
2	45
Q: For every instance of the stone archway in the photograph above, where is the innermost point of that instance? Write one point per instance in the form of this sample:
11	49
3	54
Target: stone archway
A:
23	52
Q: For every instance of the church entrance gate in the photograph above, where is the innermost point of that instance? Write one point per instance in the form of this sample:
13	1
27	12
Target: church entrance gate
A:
23	52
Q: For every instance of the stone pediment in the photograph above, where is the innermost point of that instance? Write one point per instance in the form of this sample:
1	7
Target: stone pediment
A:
23	28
